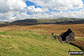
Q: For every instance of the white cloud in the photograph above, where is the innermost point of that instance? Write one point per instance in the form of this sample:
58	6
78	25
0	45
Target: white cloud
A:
10	7
59	4
16	4
33	9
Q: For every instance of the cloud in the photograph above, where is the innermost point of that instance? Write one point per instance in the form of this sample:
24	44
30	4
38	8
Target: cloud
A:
33	9
59	8
60	4
16	4
11	5
40	9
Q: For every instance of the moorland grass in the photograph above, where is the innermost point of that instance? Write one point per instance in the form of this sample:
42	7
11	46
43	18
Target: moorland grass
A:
31	43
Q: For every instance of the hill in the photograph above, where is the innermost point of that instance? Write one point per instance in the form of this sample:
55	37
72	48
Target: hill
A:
49	21
44	21
31	43
24	22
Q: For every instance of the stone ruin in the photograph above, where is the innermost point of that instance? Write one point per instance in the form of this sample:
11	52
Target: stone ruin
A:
66	36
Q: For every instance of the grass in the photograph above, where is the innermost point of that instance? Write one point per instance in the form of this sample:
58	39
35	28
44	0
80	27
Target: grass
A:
31	43
80	39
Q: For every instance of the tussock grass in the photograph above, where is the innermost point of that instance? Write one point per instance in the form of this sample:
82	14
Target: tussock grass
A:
31	43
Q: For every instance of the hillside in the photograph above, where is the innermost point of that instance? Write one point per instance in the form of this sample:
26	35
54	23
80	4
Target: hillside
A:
56	20
49	21
44	21
31	43
24	22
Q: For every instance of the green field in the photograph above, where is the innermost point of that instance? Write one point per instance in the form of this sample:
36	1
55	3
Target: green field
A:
31	43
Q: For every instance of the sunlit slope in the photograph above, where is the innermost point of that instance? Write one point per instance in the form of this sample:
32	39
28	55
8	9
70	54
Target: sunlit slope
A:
31	43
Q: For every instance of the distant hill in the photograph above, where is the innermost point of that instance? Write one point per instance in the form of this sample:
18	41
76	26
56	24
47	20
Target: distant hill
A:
45	21
61	21
48	21
78	21
24	22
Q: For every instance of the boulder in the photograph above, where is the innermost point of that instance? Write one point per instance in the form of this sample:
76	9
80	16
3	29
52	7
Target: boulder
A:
67	36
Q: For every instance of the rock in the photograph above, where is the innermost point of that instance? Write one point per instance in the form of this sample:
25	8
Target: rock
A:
67	36
54	36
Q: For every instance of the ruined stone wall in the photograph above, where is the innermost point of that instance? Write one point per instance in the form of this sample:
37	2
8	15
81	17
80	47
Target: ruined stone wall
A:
70	37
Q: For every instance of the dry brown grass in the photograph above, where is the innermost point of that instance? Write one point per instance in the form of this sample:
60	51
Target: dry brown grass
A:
58	28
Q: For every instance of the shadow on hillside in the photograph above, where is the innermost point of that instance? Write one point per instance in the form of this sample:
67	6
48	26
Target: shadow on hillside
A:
26	22
79	44
4	25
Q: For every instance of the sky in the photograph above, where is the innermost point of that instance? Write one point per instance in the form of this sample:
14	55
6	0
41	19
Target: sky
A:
11	10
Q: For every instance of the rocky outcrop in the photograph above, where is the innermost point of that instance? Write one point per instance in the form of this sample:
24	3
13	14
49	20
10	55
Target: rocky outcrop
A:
67	36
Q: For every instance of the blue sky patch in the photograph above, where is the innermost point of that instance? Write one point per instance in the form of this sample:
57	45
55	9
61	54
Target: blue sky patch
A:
72	10
48	12
14	15
76	9
29	3
37	6
54	10
28	13
83	1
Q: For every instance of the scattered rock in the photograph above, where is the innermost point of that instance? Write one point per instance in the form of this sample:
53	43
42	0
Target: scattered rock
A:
54	36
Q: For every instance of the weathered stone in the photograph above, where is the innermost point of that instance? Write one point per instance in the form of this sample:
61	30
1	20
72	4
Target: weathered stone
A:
59	39
67	36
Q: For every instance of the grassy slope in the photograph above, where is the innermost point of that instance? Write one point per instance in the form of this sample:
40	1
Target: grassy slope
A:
56	20
31	43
